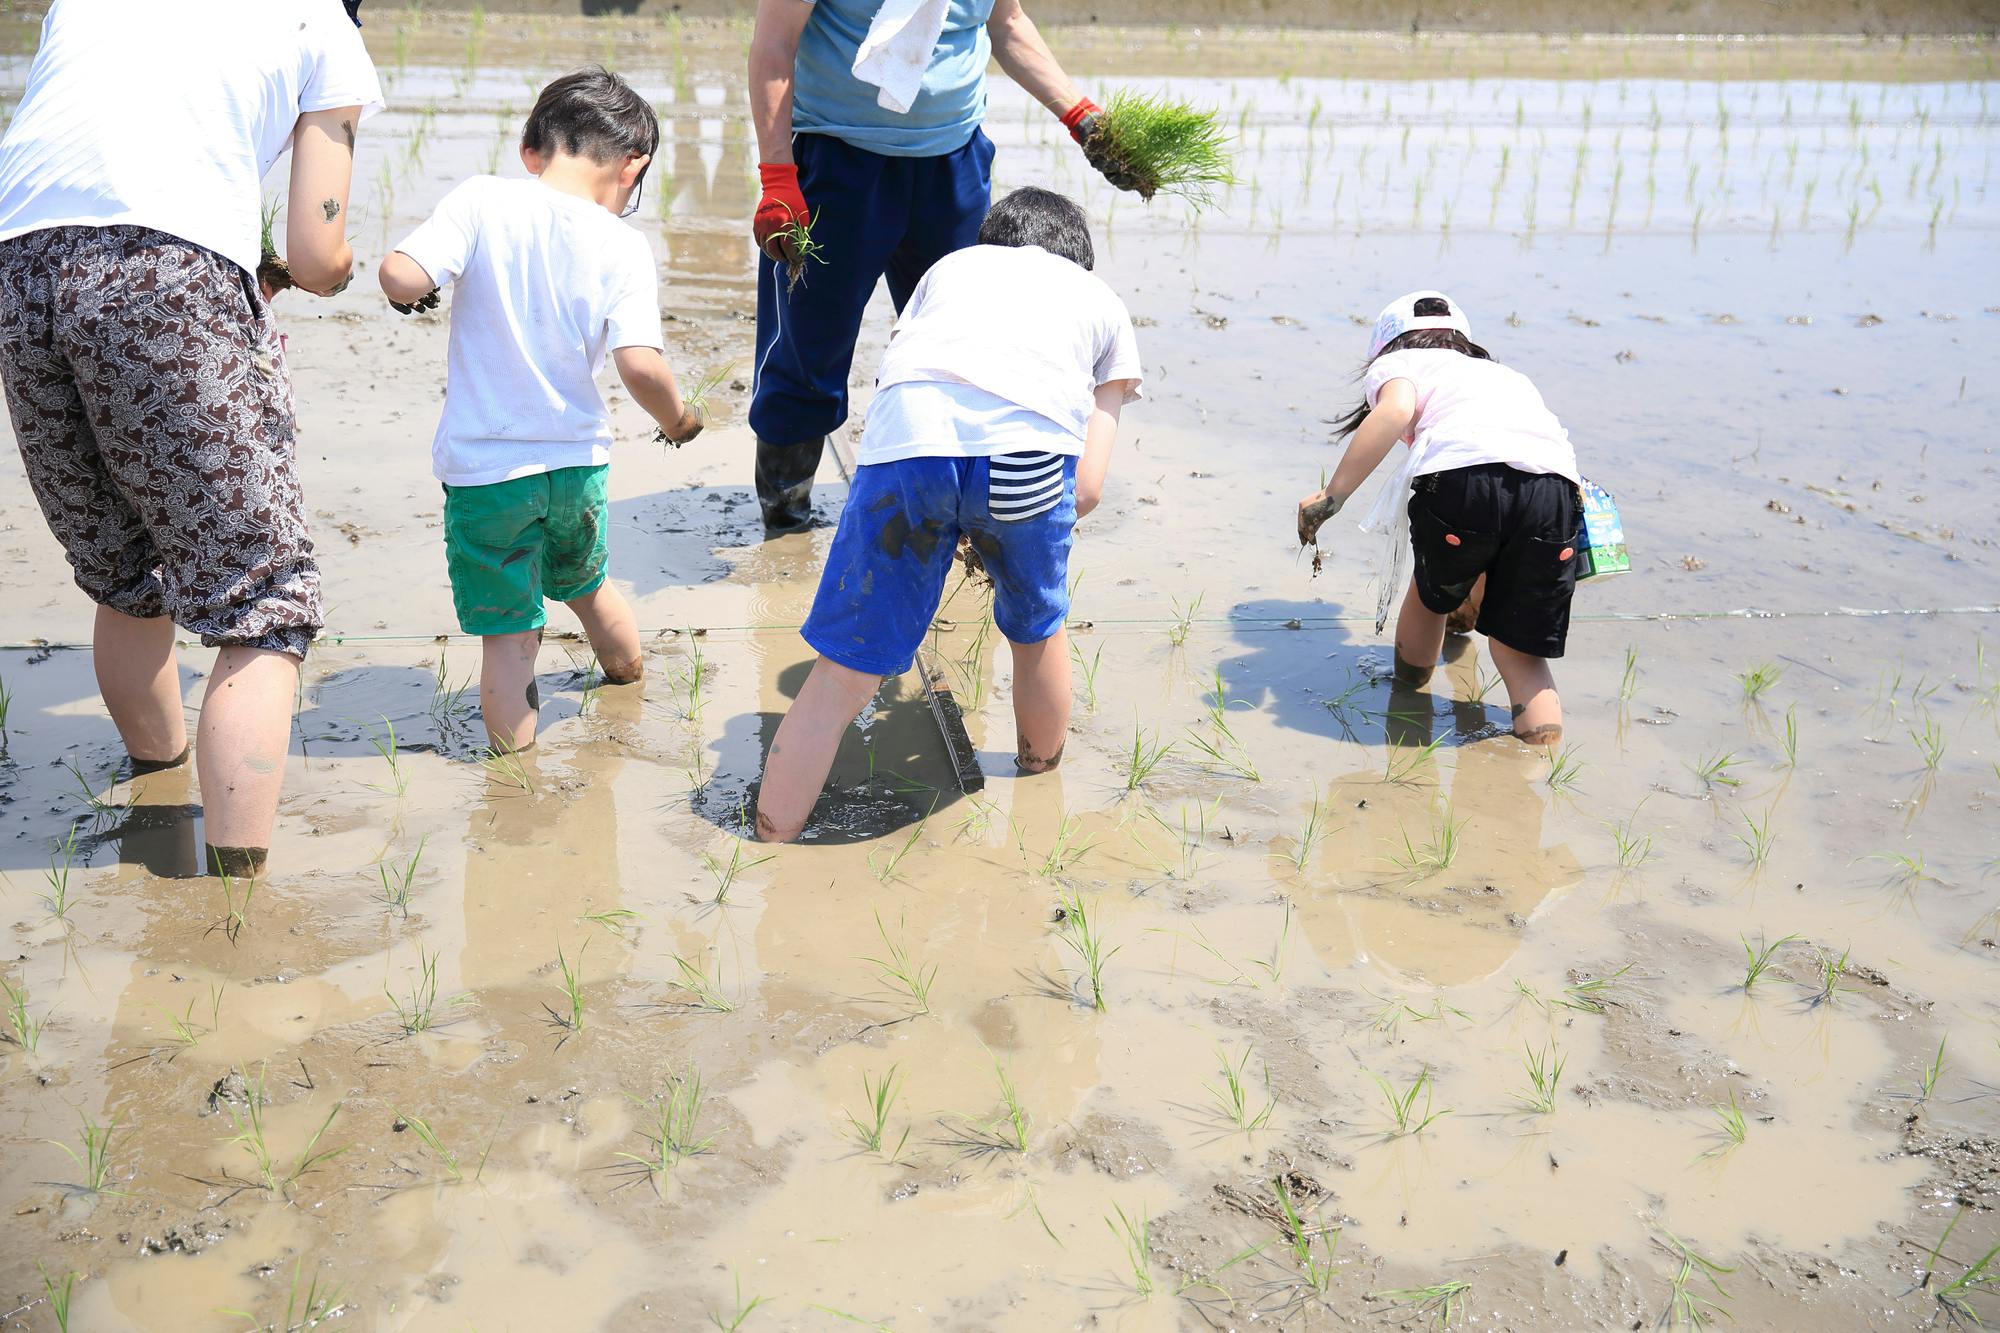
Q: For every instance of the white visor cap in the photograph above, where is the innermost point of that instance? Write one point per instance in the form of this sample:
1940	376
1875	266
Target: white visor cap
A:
1400	317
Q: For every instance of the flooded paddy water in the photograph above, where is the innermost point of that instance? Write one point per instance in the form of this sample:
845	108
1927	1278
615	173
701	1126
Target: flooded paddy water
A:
585	1060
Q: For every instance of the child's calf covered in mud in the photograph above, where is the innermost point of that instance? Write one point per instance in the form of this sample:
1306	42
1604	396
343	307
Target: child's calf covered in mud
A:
995	413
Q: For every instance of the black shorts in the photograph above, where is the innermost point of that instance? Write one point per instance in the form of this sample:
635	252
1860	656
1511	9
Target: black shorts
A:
1522	530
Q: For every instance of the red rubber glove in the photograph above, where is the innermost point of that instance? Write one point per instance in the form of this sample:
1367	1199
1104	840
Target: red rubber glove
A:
1076	119
781	205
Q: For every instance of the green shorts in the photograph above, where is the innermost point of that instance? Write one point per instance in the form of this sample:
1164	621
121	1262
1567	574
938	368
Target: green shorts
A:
513	543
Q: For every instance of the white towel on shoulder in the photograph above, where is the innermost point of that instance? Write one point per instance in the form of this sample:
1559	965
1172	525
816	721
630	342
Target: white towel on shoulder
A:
897	50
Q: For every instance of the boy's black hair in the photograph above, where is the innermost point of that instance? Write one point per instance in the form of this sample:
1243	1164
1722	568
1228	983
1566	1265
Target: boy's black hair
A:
1416	340
353	10
592	113
1034	216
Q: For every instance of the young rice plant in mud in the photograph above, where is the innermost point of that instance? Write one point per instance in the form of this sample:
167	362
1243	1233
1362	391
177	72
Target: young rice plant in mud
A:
1634	848
1077	928
1400	768
506	767
1759	679
1757	839
1135	1237
1067	849
1183	620
396	881
1757	959
1404	1117
908	976
427	1134
236	897
250	1136
1933	1071
733	1320
93	1156
1311	833
1150	145
420	1013
1730	1126
1789	741
805	250
385	746
1930	744
61	861
305	1308
22	1027
1087	669
61	1291
1628	683
1832	971
676	1133
878	1100
701	986
1437	853
1687	1305
186	1032
1545	1071
726	873
886	868
6	706
1955	1297
1233	1097
570	981
1713	770
1564	768
1147	754
1316	1270
1441	1302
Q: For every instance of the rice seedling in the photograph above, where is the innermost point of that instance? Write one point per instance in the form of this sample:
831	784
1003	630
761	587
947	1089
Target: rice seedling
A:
1908	870
385	746
1189	838
93	1158
1403	761
1713	770
428	1135
1757	958
1757	839
1933	1071
676	1132
396	883
798	235
1135	1236
733	1321
24	1028
1759	679
1311	834
1832	972
1147	754
691	681
1150	145
1076	928
420	1014
702	986
1790	740
1437	853
612	919
1233	1097
1225	753
1182	624
726	873
100	803
1592	994
1954	1298
705	385
1441	1302
1545	1071
6	707
1088	670
447	704
250	1136
1687	1307
911	977
1067	849
60	1293
1731	1126
1930	744
237	895
1634	848
1315	1270
1274	967
185	1031
1564	768
61	860
878	1099
570	982
1014	1116
505	766
1403	1115
885	871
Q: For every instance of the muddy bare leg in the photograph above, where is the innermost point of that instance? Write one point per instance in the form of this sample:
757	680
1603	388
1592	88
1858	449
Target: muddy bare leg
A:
141	688
1419	640
613	633
508	698
802	752
1531	688
1041	702
1463	620
240	746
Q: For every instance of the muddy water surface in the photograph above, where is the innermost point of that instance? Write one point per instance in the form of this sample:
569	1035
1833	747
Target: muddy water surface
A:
1758	287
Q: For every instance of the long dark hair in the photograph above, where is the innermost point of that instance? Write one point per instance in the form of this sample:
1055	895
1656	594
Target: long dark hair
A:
1416	340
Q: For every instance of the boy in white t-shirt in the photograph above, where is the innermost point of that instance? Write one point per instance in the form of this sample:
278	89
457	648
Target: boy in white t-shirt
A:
994	417
1495	507
547	281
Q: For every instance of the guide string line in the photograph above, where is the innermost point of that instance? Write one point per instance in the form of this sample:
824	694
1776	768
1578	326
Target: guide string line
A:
1264	624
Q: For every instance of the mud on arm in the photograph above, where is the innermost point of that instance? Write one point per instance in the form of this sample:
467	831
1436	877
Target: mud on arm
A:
316	249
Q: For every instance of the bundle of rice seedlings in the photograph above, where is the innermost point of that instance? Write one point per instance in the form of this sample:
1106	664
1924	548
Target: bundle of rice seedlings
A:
273	275
1149	145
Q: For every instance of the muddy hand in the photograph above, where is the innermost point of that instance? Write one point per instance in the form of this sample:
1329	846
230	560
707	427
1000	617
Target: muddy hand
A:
428	301
1314	511
1098	151
689	426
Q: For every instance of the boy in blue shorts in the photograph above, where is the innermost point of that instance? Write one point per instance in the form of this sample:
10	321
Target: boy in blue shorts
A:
994	416
547	281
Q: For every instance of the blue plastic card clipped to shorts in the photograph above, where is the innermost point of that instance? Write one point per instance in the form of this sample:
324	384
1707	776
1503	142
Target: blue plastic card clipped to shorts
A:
1603	534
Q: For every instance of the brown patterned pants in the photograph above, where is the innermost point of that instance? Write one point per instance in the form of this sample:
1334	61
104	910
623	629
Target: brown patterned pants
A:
154	416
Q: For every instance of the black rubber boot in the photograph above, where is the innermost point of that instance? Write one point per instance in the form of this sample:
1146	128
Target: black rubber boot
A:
785	483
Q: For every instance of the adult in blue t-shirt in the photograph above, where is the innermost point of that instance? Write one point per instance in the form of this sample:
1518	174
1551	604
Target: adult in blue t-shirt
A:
887	192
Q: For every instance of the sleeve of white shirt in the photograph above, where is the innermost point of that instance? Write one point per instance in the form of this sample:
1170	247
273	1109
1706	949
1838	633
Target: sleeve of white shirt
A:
443	244
1395	366
343	75
1118	352
634	317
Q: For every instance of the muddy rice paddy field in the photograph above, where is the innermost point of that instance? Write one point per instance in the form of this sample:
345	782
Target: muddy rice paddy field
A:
1294	999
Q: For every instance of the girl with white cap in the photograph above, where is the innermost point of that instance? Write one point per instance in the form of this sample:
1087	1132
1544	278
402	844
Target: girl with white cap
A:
1493	498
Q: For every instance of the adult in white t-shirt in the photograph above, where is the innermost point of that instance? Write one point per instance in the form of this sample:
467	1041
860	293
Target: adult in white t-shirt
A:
145	379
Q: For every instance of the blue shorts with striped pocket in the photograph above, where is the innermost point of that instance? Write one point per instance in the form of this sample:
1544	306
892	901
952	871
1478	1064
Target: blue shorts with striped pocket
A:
892	553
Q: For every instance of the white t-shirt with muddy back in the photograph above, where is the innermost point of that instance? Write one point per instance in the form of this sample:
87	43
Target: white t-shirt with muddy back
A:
1471	411
1001	349
167	113
543	285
